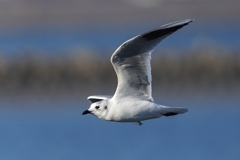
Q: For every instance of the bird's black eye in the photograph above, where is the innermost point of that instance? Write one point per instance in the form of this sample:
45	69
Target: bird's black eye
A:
97	107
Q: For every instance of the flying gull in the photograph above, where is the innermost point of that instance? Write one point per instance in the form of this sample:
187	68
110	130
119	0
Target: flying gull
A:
133	101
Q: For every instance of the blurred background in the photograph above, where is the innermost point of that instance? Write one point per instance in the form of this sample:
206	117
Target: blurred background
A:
55	53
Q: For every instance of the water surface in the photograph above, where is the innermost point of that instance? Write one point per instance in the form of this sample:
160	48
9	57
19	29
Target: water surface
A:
210	130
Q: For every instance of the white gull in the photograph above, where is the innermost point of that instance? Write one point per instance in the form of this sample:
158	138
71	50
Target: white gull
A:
133	101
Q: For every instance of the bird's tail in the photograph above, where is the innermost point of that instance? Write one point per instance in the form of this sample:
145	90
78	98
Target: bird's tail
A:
171	111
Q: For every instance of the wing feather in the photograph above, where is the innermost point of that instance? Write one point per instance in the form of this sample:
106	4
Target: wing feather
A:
96	98
131	61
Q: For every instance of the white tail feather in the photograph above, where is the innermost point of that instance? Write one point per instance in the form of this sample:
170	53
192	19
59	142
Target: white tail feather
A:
171	111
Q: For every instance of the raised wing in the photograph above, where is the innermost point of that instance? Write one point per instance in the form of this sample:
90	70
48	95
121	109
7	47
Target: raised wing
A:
131	61
97	98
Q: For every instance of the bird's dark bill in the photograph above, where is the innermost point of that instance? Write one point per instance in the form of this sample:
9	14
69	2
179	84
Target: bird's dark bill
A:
86	112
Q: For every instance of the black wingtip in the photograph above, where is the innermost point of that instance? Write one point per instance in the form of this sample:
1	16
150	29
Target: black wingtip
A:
166	29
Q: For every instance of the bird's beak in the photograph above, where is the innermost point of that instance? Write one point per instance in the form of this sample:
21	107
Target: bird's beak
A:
86	112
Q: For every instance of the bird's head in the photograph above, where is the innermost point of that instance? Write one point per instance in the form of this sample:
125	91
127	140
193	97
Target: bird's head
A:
99	109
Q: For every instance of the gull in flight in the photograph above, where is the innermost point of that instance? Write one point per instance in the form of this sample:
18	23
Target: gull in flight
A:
133	101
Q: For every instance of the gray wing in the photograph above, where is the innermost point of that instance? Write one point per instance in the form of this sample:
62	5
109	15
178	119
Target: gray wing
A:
96	98
131	61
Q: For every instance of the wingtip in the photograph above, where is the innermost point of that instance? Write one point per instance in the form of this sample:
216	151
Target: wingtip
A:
96	98
190	20
166	29
178	23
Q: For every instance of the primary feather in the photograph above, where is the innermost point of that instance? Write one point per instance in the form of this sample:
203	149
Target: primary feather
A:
131	61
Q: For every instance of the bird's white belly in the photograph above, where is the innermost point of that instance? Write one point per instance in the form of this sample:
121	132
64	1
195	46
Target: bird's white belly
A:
132	111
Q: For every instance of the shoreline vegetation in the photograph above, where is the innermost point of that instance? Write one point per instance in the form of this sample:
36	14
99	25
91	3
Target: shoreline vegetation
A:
199	70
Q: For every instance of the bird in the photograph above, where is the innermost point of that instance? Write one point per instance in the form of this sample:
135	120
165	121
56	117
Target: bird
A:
132	100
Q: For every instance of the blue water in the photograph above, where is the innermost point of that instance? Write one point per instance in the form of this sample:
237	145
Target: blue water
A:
58	131
64	40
